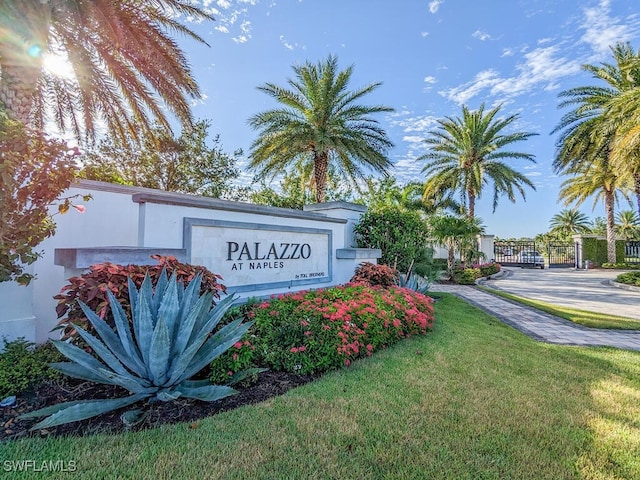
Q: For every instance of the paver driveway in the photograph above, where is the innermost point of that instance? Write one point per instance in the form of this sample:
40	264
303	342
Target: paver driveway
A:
584	290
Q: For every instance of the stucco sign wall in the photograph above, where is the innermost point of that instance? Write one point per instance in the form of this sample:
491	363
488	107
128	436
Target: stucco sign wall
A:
252	256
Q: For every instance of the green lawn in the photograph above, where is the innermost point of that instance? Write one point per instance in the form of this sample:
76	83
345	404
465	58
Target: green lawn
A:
474	399
583	317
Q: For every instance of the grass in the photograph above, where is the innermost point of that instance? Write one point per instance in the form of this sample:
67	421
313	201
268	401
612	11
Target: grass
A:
583	317
474	399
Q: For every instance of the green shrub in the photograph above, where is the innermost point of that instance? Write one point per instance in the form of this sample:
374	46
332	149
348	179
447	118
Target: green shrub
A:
621	266
466	276
22	365
238	358
314	331
487	269
371	274
399	234
629	278
91	288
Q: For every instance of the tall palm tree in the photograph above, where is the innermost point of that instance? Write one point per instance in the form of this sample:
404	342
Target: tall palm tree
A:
467	153
608	112
628	225
568	222
597	179
126	67
320	124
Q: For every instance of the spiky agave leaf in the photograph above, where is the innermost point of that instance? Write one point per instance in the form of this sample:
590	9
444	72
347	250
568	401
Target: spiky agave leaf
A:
172	328
81	410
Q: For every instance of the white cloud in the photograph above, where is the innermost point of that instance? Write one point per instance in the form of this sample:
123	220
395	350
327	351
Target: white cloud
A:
424	34
507	52
435	5
482	36
224	4
430	79
241	39
291	46
463	93
541	68
245	27
602	30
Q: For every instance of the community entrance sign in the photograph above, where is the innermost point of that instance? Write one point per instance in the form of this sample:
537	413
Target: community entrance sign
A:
252	256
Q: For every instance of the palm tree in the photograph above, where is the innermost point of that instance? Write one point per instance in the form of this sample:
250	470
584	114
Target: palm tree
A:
609	112
628	225
320	125
466	153
569	222
454	233
127	69
597	179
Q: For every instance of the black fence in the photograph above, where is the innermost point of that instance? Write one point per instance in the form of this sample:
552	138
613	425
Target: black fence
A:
632	252
532	254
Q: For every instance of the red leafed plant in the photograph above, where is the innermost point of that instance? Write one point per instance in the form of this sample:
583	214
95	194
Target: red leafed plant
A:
91	288
371	274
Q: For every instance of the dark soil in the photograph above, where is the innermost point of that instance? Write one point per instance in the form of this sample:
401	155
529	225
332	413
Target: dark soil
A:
268	384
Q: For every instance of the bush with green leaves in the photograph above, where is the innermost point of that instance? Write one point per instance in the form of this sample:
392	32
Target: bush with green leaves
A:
400	234
168	341
466	276
22	365
629	278
314	331
239	358
621	266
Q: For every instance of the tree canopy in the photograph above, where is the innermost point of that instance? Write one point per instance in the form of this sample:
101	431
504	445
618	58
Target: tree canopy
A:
320	125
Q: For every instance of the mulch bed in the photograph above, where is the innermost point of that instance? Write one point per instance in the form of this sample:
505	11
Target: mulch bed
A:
269	384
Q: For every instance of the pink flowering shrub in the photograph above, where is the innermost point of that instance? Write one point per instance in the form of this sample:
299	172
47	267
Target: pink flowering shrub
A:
315	331
236	359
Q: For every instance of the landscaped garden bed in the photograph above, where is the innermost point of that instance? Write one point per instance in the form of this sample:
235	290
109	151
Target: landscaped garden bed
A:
171	350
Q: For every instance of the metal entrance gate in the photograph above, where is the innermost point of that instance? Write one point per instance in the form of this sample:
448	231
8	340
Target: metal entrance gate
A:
561	254
632	252
529	253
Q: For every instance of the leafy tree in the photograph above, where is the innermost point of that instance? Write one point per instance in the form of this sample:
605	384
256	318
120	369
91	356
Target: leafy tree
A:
386	192
466	153
185	164
34	170
319	125
628	225
297	190
454	233
127	69
400	234
569	222
599	226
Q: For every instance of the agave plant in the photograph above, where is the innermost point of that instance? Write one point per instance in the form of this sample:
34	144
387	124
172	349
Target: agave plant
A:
414	282
171	341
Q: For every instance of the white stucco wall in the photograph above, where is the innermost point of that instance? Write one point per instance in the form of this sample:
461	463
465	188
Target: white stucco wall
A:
120	216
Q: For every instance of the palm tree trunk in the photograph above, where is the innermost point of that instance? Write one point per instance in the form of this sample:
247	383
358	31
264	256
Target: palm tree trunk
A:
17	87
320	166
450	257
471	212
21	59
636	184
609	200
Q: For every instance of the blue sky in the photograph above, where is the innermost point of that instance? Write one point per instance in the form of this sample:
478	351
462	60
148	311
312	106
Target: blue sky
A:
431	56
